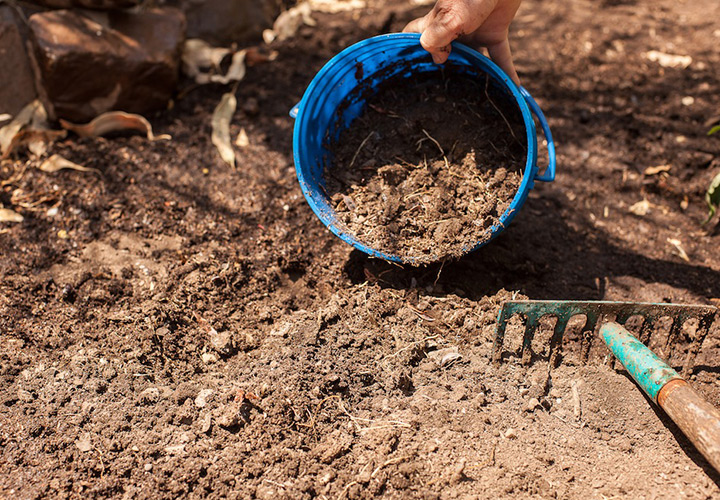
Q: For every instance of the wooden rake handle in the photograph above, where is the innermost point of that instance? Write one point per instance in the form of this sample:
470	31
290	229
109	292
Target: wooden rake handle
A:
696	417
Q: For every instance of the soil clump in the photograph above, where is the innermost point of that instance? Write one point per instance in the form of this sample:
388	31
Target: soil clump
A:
429	167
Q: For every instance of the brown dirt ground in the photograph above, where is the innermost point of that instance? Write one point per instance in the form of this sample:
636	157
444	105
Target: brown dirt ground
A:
200	334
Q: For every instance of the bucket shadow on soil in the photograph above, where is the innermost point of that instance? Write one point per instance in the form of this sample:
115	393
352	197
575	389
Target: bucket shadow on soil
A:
547	253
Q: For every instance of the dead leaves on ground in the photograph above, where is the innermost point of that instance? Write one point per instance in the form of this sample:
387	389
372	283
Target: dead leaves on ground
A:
204	63
7	215
30	131
56	163
32	117
114	122
221	118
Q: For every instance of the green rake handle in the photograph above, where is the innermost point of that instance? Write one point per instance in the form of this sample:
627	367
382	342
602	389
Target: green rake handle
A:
697	418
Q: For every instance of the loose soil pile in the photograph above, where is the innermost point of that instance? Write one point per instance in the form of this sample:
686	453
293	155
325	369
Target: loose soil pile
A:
172	328
432	163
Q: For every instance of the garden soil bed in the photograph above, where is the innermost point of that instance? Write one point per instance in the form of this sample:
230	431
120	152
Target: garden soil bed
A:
429	167
172	328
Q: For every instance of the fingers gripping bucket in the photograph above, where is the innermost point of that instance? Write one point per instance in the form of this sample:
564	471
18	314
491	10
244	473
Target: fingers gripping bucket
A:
326	104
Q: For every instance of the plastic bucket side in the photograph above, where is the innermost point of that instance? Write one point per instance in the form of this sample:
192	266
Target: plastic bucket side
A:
334	98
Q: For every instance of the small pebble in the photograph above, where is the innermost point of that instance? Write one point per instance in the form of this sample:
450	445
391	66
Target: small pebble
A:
221	341
510	433
458	473
228	416
532	404
450	358
150	395
202	398
205	424
148	467
209	358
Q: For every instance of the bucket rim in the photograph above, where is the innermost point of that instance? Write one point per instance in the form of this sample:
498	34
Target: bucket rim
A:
483	63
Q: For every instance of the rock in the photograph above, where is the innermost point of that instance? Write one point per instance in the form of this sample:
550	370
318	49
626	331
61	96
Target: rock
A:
209	358
222	342
223	22
88	4
25	396
510	433
532	404
228	415
17	83
445	357
84	443
202	398
150	395
206	424
458	472
131	64
175	450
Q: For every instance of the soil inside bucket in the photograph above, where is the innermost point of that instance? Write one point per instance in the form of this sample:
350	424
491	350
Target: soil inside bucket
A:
430	166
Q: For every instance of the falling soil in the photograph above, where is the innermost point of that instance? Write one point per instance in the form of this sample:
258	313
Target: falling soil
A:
429	167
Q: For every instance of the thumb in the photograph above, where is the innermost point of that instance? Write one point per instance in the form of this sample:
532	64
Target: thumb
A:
444	26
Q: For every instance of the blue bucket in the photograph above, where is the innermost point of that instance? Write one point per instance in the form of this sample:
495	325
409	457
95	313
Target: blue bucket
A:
333	100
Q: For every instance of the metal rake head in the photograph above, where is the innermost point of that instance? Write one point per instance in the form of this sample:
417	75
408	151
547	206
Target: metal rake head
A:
594	311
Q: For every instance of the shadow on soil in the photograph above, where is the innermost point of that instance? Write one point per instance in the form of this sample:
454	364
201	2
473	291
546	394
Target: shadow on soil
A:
544	256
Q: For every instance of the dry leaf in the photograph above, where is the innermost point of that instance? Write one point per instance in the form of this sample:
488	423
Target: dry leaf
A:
657	170
33	114
289	22
114	121
7	215
268	36
641	208
680	250
669	60
685	203
242	140
200	59
335	6
222	115
83	443
712	197
235	73
56	163
36	141
202	62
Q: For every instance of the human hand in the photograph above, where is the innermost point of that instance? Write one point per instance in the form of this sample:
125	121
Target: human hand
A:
480	23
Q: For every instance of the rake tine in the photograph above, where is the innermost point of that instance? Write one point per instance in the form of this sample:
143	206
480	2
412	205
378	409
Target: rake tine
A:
701	333
595	311
673	337
531	324
623	316
503	317
645	331
556	340
588	330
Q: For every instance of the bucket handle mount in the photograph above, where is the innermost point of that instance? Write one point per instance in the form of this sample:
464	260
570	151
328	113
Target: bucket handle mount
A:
549	174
